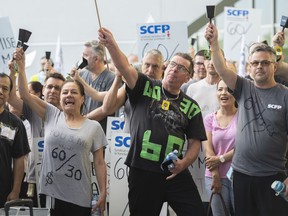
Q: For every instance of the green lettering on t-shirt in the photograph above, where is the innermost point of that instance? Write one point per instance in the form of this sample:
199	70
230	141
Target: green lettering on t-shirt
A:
154	91
187	107
147	90
194	110
172	144
184	105
150	151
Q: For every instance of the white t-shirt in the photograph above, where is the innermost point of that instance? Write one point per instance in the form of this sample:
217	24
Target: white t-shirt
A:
205	95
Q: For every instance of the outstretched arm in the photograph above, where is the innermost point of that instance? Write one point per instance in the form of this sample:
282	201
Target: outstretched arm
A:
118	57
91	92
35	103
110	105
228	76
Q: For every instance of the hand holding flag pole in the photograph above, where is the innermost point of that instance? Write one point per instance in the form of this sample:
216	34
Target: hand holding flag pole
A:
99	22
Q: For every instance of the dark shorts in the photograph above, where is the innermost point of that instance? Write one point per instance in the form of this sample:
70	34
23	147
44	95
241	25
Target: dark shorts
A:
149	190
253	196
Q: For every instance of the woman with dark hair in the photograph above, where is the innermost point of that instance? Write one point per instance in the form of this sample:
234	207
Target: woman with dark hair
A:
221	131
70	138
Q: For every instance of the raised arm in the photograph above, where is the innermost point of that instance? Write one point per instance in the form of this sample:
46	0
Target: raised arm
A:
110	104
115	97
118	57
91	92
35	103
14	100
218	59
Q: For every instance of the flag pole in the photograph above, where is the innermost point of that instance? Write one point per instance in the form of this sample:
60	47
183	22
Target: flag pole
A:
99	22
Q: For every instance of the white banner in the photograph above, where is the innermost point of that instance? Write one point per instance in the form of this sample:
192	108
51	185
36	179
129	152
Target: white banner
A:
240	22
38	155
114	125
197	170
7	43
120	144
167	37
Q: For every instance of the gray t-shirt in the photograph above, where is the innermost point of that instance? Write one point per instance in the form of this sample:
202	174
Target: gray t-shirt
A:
261	141
102	83
66	168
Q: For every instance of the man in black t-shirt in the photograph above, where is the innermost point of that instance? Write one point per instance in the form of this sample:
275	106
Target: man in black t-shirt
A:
13	146
162	119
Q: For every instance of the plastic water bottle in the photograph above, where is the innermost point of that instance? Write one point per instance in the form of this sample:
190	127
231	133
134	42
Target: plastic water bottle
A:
168	163
280	189
94	200
172	155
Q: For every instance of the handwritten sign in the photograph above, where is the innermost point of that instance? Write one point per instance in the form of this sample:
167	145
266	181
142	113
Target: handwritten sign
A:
120	144
240	22
114	125
197	170
169	38
38	155
7	43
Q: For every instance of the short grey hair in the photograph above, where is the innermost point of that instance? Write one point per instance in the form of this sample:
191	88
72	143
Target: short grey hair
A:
156	53
262	47
97	49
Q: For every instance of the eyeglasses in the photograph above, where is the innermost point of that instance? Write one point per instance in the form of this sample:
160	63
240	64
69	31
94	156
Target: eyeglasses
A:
50	87
199	64
180	67
264	63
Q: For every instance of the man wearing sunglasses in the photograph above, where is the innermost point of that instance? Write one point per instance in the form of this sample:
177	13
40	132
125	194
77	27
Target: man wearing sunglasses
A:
162	117
261	140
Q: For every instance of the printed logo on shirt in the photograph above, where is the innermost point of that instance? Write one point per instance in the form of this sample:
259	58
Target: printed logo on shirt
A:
7	132
274	106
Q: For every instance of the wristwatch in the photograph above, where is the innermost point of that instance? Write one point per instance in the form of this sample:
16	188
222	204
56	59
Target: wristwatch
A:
222	159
